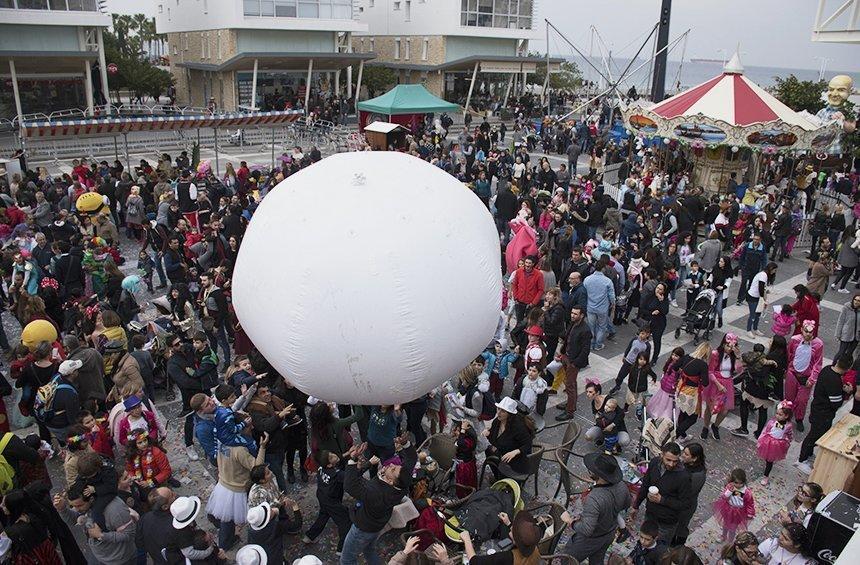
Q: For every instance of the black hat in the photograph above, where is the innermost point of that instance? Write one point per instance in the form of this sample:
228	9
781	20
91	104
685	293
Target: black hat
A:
603	466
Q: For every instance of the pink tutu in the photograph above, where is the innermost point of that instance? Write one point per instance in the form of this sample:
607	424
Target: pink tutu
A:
771	449
661	405
728	516
713	395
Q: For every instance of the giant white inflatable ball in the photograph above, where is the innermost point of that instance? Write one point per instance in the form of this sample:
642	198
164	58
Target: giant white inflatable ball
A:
369	278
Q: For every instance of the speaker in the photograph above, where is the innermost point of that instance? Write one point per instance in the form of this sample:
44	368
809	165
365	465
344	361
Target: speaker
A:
832	524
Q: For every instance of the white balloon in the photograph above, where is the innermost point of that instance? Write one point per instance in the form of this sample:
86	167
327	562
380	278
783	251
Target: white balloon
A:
369	278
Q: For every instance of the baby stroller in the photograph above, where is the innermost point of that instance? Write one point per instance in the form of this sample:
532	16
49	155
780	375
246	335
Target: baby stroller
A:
156	333
700	316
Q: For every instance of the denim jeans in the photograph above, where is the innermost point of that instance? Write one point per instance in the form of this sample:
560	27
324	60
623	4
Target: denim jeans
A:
358	542
752	321
275	461
226	532
218	336
598	322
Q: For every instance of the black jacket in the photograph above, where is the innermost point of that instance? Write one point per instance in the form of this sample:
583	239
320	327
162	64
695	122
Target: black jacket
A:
65	405
675	491
376	499
69	273
330	486
152	530
553	320
578	345
271	538
506	205
176	365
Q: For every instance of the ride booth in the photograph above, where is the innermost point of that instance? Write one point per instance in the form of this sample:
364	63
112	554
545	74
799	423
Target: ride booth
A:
728	125
405	105
384	135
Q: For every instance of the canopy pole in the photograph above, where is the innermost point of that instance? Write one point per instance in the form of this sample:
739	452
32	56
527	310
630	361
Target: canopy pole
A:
254	87
358	83
337	83
115	148
471	88
508	90
103	76
273	148
308	86
349	82
88	88
16	93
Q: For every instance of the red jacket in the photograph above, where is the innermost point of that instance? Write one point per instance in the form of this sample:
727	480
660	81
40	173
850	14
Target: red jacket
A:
528	287
806	309
151	465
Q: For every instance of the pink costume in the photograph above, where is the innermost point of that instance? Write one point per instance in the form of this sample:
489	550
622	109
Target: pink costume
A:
662	404
523	244
722	401
774	441
734	509
802	372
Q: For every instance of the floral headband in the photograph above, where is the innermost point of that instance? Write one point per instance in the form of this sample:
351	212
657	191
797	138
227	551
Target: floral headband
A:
731	338
786	405
808	325
92	311
137	434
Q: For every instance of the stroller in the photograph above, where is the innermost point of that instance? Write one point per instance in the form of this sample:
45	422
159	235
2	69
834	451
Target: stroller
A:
156	333
700	316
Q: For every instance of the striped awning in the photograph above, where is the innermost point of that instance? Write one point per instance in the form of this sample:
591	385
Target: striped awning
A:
112	126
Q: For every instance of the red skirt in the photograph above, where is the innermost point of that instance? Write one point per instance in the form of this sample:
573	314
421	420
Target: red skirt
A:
466	474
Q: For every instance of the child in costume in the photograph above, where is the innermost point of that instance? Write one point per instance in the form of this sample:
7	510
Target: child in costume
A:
662	404
735	507
775	439
465	470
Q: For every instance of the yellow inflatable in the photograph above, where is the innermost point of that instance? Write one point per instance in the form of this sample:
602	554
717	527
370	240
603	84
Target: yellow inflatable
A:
36	331
89	203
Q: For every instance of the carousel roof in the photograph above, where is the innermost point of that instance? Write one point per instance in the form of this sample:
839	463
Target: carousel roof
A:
732	98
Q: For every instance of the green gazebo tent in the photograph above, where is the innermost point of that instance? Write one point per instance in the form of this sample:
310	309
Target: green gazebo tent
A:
405	101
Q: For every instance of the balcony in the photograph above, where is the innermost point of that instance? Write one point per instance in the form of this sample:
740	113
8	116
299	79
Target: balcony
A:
313	9
52	5
837	22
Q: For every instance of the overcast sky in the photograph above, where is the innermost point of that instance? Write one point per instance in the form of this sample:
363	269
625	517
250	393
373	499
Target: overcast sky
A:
772	33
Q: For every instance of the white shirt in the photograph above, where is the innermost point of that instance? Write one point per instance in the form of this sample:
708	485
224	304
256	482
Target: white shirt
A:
760	277
778	555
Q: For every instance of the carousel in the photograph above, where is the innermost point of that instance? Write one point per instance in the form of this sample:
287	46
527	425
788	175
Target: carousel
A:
728	125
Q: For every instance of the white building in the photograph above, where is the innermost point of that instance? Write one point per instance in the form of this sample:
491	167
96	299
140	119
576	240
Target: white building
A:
837	21
445	43
48	50
259	53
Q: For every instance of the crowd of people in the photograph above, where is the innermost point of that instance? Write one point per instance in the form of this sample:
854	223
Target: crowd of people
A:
578	266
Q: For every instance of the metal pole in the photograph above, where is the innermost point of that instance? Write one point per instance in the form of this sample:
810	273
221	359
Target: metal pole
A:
103	70
349	82
273	148
254	88
543	94
308	85
337	83
358	83
127	159
471	87
658	87
115	149
16	93
217	163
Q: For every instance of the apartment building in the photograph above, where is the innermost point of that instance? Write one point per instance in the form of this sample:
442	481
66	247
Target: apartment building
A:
448	45
48	52
260	54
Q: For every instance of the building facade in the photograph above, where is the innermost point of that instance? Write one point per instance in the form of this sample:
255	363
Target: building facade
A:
445	43
51	56
260	54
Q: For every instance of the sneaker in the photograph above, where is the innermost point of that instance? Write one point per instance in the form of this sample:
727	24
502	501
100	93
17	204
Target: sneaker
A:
798	425
759	333
843	291
764	481
192	453
704	433
549	391
804	467
740	432
674	303
598	347
613	390
564	416
833	286
561	406
752	334
716	431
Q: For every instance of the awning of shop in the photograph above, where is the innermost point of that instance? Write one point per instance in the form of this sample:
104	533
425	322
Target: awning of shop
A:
36	62
113	126
280	61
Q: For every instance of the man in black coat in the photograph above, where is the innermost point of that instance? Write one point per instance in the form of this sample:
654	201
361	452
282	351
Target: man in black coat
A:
781	233
506	208
574	357
156	526
672	491
213	304
181	371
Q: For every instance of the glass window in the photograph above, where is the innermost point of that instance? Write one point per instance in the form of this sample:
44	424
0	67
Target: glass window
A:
500	21
342	12
424	49
485	20
464	5
251	7
325	11
33	4
473	5
58	4
285	8
485	6
309	10
526	8
11	3
267	8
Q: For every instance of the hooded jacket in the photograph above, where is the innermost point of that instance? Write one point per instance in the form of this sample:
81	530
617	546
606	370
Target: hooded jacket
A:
375	499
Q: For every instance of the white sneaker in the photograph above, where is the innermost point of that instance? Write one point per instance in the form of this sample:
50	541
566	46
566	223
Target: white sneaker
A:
833	286
192	453
674	303
759	333
804	467
843	291
752	334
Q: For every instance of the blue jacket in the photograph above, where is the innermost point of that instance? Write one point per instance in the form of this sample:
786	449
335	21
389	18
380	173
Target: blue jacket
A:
204	431
601	292
228	431
577	297
383	427
753	259
508	357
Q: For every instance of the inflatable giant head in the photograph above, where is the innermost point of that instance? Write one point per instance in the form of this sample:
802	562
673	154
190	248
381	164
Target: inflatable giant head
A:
36	332
369	278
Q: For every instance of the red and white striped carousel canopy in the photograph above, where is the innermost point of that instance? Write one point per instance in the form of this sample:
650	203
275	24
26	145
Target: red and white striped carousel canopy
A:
732	98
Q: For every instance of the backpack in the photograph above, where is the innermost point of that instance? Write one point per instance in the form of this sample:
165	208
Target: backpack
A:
43	405
7	472
488	404
133	209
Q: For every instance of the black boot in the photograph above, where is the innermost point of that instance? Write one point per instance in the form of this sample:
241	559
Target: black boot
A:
799	425
291	474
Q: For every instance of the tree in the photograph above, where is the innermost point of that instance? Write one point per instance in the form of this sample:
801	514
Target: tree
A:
135	72
377	78
800	94
568	76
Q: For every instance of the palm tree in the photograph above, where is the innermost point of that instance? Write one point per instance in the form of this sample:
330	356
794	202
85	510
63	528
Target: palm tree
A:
140	23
